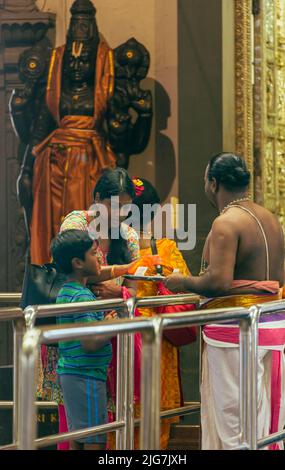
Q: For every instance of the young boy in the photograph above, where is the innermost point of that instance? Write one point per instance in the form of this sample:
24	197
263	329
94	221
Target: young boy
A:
82	366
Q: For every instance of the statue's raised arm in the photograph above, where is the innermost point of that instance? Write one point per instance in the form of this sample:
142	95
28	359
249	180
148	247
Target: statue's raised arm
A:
30	116
130	110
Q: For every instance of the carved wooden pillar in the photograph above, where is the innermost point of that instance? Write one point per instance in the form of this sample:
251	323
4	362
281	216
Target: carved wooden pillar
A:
22	25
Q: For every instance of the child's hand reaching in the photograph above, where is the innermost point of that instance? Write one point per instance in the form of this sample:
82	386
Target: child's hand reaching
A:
111	315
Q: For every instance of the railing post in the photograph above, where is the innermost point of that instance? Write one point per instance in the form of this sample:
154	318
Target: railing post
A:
244	385
129	383
125	385
30	314
150	387
27	390
120	391
18	334
200	339
253	371
248	379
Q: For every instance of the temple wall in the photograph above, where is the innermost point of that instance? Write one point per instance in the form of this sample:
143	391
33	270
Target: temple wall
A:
191	43
154	23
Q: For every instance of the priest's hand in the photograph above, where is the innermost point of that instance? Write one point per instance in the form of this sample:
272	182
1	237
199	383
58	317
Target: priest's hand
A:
107	290
176	283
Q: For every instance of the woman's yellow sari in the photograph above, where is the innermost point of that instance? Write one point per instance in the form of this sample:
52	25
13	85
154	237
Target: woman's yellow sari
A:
171	395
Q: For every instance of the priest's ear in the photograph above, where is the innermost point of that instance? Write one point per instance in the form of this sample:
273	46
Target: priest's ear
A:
214	185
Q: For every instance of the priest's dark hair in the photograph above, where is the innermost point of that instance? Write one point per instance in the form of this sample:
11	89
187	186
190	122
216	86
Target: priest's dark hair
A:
230	171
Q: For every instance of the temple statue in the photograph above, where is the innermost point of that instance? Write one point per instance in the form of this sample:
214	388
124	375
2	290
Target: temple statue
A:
74	116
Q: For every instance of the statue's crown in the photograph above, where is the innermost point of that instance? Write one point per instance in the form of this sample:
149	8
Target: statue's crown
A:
83	7
83	13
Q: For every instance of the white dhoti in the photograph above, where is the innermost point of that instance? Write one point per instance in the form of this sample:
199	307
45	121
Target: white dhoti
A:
220	396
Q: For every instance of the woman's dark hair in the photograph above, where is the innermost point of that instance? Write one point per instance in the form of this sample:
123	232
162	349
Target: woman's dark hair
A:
230	171
146	194
113	183
69	245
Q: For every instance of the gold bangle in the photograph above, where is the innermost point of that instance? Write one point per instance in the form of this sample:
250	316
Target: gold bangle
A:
113	272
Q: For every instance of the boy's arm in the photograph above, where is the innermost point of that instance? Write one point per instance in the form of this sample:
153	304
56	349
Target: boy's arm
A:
95	343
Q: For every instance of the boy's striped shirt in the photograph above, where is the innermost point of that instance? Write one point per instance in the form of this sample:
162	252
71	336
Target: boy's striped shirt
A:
73	359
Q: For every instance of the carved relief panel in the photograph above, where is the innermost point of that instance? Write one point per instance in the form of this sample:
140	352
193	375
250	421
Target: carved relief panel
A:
269	93
260	129
243	81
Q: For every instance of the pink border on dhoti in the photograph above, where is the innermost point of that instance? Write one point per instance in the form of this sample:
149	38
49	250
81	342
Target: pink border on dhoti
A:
266	337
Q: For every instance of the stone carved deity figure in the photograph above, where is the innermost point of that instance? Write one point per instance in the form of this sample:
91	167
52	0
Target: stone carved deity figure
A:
74	116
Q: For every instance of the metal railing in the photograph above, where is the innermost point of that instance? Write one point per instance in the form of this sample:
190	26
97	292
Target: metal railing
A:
277	306
16	316
151	330
10	298
21	320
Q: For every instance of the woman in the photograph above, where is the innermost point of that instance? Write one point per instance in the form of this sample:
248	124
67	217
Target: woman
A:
171	393
123	251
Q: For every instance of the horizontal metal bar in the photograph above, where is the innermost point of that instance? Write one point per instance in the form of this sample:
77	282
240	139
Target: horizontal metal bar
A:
242	447
45	311
10	297
70	332
276	437
9	447
182	411
261	443
160	301
202	317
99	305
9	314
57	438
272	307
40	404
81	331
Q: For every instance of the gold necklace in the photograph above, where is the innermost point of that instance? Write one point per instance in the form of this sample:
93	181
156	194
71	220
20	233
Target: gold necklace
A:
236	201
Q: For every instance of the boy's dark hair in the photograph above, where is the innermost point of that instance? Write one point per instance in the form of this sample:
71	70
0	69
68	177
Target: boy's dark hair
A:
69	245
230	171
